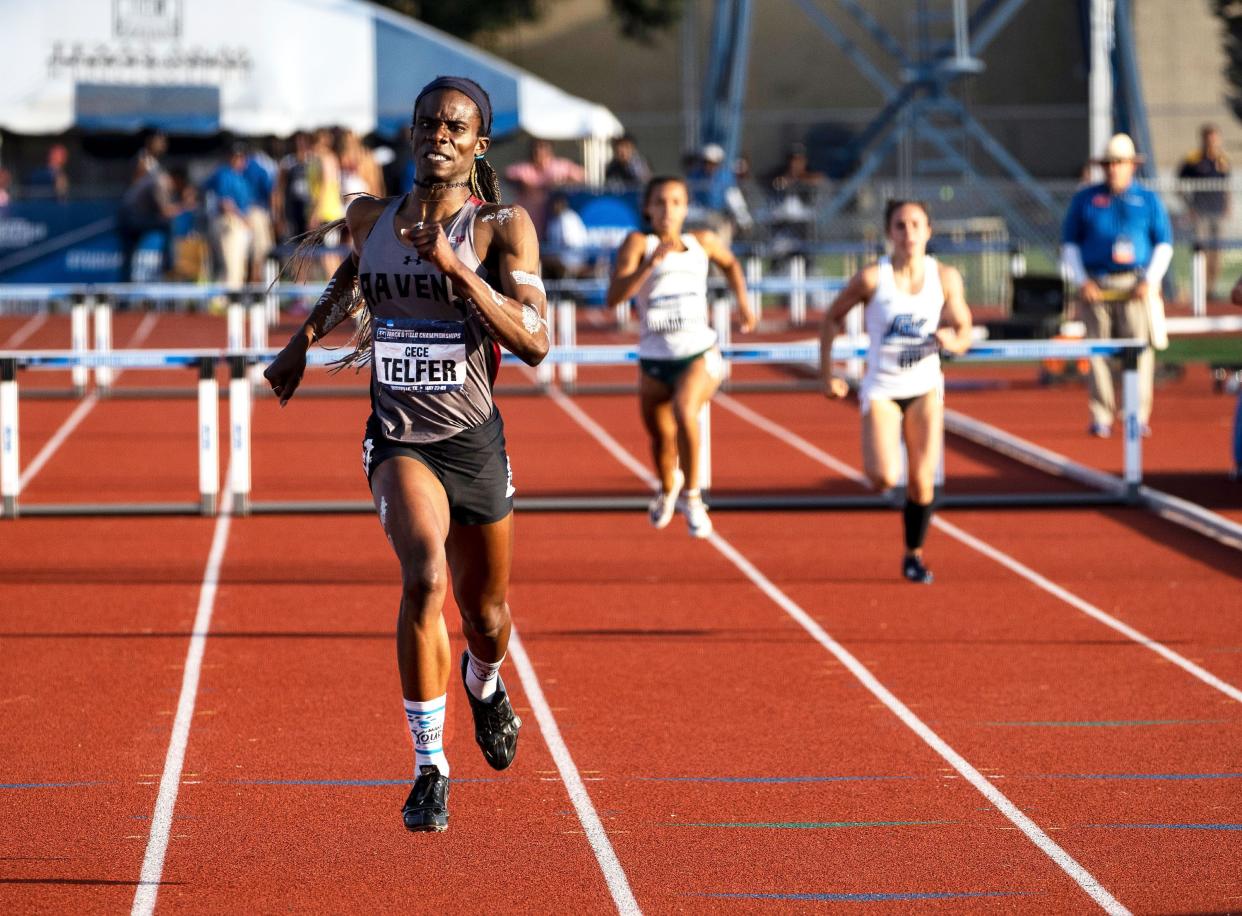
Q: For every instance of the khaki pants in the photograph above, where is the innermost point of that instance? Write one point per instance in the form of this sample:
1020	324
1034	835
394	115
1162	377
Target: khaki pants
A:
233	237
1124	318
260	242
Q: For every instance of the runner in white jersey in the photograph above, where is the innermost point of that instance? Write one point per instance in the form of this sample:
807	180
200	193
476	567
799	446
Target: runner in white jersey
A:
915	307
447	275
665	273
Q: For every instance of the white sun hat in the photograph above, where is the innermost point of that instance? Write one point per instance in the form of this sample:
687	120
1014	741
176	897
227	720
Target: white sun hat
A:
1120	148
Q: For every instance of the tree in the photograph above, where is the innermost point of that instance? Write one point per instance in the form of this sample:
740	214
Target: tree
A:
641	19
467	19
637	19
1230	12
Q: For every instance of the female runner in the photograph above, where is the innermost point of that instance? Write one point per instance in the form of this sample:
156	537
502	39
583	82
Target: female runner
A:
915	307
665	272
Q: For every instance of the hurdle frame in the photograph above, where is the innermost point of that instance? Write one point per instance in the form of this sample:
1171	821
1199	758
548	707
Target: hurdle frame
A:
240	395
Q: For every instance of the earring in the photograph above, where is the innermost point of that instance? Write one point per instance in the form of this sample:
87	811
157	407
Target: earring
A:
478	156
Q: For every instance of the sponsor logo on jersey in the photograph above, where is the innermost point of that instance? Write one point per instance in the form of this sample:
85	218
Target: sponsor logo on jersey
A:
907	327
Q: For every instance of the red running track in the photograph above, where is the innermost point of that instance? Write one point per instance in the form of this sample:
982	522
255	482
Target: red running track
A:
735	764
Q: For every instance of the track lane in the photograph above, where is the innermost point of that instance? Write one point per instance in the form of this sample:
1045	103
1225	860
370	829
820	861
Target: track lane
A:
678	574
1161	566
96	615
307	740
1127	684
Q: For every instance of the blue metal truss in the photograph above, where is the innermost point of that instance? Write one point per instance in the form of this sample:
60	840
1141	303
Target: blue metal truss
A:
923	88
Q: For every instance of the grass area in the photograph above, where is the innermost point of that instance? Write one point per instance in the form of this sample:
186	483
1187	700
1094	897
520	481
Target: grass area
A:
1204	349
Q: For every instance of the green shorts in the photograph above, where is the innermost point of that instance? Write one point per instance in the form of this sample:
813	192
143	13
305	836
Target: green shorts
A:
668	371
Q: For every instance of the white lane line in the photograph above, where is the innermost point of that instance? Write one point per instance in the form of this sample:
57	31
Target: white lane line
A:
793	439
609	864
85	406
601	436
1045	843
22	334
174	760
1089	609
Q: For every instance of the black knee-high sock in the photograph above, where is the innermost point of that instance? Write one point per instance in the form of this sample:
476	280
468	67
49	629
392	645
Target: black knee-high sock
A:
916	518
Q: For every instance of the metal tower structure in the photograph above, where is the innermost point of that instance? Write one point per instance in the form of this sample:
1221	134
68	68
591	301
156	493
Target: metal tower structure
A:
921	120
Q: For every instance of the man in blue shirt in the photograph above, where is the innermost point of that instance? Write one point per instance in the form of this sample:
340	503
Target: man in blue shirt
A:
229	205
1117	243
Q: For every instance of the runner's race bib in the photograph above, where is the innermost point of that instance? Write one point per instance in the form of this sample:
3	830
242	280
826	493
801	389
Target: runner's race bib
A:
667	314
420	355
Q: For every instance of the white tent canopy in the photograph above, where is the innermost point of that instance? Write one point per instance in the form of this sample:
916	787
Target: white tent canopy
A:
251	67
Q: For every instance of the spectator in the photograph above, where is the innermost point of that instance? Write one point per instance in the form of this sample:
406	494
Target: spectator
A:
733	211
190	260
260	176
1116	247
291	204
325	181
359	172
1210	207
154	146
6	184
627	169
535	179
327	206
229	214
52	179
795	187
146	206
796	176
566	244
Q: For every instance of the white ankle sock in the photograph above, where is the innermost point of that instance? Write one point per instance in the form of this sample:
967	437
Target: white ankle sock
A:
426	718
482	677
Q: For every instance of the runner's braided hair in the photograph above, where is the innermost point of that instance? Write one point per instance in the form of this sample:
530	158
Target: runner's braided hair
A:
484	182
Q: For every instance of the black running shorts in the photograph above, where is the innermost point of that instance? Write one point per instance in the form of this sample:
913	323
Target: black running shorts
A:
472	466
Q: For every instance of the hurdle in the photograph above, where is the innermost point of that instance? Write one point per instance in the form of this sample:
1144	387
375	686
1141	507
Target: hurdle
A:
114	361
240	396
9	464
240	410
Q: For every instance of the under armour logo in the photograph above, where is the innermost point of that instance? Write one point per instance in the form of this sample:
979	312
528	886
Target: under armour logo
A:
412	257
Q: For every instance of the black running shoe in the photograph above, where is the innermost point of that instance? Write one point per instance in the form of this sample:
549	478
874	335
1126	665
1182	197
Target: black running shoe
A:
913	569
495	725
426	808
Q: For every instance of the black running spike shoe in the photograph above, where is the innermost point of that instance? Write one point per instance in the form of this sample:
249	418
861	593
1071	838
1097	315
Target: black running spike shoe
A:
495	725
913	569
426	808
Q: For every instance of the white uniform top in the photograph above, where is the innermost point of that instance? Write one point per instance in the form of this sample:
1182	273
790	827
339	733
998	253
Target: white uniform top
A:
903	358
672	304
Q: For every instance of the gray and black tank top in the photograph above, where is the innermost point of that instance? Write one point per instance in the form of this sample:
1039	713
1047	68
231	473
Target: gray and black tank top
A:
433	361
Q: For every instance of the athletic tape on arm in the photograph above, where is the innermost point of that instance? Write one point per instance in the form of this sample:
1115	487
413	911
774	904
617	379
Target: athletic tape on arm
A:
522	278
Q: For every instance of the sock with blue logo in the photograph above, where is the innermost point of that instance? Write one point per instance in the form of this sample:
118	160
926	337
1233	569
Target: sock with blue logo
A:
426	718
